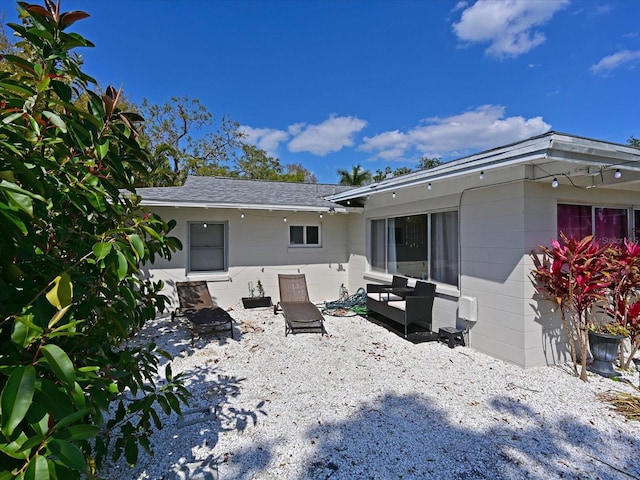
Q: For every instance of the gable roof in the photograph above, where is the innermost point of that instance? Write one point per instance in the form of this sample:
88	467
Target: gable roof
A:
220	192
554	154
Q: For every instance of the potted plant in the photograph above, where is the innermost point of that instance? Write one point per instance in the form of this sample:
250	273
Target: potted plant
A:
256	297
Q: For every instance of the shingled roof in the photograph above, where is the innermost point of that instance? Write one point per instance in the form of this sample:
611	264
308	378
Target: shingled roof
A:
221	192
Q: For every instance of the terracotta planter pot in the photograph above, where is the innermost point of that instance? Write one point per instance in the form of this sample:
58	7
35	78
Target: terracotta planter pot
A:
604	349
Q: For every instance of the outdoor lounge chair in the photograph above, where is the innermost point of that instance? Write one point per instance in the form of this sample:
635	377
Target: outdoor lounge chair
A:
300	315
199	309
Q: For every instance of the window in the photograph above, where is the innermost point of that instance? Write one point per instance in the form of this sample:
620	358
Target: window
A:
444	247
606	224
378	244
419	246
304	235
207	247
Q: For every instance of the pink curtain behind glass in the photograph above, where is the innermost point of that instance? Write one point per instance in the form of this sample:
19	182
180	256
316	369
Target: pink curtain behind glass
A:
578	221
574	221
611	224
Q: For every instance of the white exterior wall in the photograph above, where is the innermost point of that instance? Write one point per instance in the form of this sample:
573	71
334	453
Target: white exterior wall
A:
357	248
492	234
500	224
258	248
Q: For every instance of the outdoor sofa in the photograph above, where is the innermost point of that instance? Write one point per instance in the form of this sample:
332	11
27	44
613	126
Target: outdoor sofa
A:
403	305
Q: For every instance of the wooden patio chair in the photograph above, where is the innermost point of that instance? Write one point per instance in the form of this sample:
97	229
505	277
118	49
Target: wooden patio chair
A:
199	309
300	315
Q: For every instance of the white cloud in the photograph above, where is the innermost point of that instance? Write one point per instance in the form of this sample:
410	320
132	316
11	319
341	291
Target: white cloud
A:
296	128
603	9
611	62
507	25
329	136
482	128
459	6
267	139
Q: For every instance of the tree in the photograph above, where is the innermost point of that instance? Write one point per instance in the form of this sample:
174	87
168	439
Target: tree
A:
357	176
257	165
185	139
426	163
72	244
634	142
401	171
388	173
7	46
296	172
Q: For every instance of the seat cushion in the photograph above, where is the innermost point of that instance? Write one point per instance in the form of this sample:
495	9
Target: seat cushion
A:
383	296
399	304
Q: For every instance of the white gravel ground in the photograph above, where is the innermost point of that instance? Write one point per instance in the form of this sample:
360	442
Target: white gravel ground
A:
363	403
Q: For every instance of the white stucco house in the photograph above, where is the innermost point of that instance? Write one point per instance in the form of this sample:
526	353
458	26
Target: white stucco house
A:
468	225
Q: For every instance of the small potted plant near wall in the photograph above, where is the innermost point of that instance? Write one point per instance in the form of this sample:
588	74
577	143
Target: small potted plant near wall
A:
256	297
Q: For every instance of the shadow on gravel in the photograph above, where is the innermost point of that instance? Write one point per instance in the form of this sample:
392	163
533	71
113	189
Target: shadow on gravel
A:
408	438
176	338
212	392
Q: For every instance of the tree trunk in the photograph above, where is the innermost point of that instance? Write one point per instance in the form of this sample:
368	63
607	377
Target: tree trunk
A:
634	348
584	343
572	341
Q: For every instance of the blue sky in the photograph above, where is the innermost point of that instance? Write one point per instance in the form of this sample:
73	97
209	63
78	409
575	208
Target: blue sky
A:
335	83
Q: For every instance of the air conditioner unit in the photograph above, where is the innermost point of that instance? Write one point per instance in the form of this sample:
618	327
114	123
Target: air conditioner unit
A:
468	308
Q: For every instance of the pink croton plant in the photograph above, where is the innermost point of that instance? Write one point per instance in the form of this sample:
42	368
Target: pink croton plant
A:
571	274
622	265
582	275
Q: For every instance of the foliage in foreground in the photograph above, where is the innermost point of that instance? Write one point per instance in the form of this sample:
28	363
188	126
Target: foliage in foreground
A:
72	243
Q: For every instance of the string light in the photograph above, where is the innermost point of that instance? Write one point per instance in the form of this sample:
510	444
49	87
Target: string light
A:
285	219
321	215
204	225
554	184
429	186
242	215
482	175
618	173
393	194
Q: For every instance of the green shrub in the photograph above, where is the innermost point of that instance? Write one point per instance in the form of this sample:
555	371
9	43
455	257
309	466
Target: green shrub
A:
73	240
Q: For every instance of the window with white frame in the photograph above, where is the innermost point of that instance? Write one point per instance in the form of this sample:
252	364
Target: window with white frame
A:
207	247
607	224
421	246
304	235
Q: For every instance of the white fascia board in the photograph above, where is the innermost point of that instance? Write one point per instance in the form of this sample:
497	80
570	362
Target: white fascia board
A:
548	148
608	155
239	206
432	175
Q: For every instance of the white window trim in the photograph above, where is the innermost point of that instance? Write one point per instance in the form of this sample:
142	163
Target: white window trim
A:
216	274
304	243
